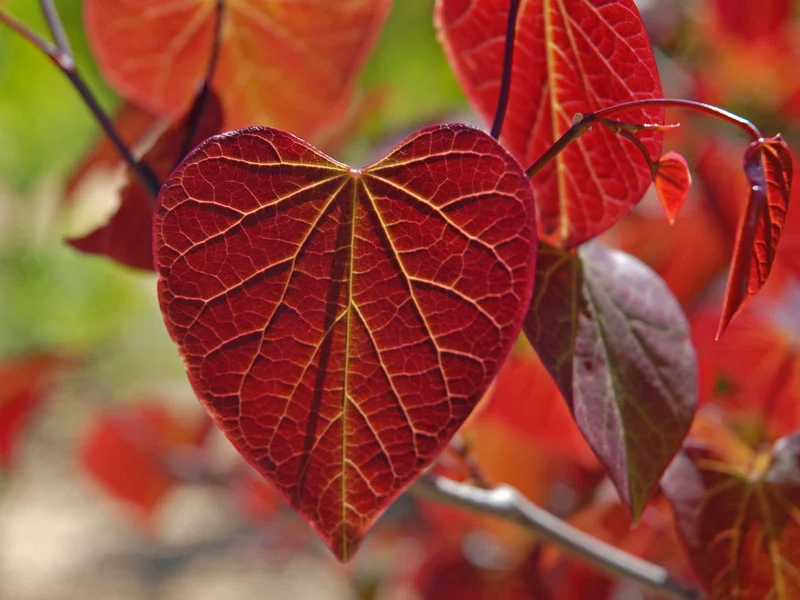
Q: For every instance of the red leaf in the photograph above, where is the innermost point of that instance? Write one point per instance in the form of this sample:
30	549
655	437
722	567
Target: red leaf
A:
24	383
752	20
672	180
128	236
292	65
768	166
524	399
617	343
573	56
341	324
740	524
126	452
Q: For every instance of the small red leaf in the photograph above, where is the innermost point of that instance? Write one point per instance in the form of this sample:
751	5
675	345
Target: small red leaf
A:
128	236
617	343
287	64
24	383
672	180
768	166
341	324
739	523
572	56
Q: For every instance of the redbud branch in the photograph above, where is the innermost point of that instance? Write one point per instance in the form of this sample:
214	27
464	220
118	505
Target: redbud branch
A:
508	63
584	122
507	503
61	56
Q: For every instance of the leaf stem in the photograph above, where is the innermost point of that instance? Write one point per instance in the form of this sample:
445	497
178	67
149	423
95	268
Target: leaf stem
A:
508	503
196	111
584	122
508	63
61	56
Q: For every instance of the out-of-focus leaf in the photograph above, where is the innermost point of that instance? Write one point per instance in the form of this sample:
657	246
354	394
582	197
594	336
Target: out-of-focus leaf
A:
340	325
617	344
128	236
292	65
740	523
768	166
24	383
571	57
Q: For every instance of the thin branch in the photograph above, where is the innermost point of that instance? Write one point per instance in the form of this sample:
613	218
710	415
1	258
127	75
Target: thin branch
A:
65	62
199	105
56	26
461	448
508	63
508	503
584	122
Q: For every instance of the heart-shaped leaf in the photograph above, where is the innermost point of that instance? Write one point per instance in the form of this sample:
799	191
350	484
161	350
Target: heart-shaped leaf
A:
341	324
287	64
128	236
768	166
739	522
571	57
617	343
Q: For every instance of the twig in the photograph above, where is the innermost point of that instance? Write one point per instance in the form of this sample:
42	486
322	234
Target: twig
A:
196	111
584	122
61	56
460	447
508	503
508	63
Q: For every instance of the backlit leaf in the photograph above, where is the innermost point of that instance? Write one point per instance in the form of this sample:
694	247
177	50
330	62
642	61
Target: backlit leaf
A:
288	64
571	56
672	180
768	166
341	324
617	343
128	236
740	524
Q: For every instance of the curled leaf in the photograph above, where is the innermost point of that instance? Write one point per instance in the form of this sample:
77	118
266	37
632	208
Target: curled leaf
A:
617	343
768	166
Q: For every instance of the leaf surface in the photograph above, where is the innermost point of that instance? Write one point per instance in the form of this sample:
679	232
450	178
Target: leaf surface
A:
768	166
288	64
672	181
128	236
571	56
617	343
740	523
341	324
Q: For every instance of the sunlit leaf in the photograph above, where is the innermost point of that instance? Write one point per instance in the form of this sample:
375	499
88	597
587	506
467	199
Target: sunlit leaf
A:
672	180
768	166
740	524
341	324
128	236
572	56
288	64
617	343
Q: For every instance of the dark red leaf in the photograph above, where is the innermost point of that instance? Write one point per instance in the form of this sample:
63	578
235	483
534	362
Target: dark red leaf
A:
573	56
672	180
341	324
24	383
292	65
739	522
617	343
128	236
768	166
